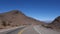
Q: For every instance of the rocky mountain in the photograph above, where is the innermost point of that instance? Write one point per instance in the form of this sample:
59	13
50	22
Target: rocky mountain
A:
16	18
55	24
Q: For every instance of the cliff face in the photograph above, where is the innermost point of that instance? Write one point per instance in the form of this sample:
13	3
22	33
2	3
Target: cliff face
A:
16	18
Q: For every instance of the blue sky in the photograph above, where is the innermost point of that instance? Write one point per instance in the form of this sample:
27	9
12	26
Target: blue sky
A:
38	9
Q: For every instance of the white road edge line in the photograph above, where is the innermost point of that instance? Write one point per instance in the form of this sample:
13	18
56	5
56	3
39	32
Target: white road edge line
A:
36	29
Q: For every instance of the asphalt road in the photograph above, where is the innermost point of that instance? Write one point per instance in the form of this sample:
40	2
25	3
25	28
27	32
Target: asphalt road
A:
15	31
30	30
33	30
25	30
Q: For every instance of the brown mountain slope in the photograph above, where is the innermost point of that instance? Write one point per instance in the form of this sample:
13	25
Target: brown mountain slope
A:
16	18
55	24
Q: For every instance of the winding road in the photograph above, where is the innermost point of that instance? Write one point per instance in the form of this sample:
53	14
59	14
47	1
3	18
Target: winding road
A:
26	30
33	29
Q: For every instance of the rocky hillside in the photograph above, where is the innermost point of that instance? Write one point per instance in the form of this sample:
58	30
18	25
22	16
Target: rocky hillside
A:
55	24
16	18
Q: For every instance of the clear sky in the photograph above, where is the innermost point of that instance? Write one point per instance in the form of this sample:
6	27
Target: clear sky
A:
39	9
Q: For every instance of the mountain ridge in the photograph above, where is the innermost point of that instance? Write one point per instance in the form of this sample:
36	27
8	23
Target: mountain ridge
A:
16	18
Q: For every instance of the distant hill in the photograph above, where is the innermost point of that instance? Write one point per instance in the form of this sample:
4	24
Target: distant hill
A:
16	18
55	24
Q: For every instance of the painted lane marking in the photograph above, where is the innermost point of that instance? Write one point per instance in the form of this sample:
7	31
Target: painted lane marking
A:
36	29
20	32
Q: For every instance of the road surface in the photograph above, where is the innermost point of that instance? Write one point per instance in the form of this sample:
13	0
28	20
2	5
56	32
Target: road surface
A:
29	30
33	30
26	30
